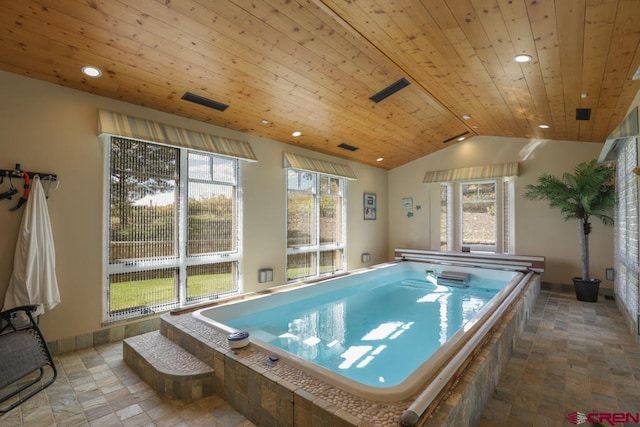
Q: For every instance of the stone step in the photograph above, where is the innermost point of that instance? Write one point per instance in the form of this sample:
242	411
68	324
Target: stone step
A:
167	368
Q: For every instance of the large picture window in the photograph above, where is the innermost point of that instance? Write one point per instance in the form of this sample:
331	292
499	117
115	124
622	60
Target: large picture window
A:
315	224
173	227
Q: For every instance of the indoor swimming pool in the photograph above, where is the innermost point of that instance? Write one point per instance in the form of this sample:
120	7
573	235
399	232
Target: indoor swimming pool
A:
380	333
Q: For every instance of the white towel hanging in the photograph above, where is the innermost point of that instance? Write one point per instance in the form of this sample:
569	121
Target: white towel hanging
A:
33	280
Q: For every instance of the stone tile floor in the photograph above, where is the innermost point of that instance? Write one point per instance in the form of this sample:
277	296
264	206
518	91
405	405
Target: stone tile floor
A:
95	388
573	356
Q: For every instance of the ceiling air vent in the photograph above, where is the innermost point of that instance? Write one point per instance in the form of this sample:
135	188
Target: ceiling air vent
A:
455	137
346	146
390	90
205	102
583	113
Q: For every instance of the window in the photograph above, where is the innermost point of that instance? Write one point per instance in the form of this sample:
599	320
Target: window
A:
315	224
478	205
477	215
626	225
173	227
446	215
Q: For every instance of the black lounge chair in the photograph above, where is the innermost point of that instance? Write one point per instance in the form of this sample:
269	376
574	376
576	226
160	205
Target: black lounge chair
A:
23	351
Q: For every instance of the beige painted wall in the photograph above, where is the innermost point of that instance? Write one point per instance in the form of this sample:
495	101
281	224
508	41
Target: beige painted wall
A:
53	129
539	229
49	128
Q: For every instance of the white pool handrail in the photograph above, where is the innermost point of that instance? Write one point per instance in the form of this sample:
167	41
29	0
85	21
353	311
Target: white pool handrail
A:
415	411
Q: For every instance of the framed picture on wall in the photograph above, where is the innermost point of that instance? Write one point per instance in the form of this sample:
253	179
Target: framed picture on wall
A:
369	208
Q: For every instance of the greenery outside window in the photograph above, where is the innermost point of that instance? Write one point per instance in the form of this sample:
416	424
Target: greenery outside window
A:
173	228
315	224
477	215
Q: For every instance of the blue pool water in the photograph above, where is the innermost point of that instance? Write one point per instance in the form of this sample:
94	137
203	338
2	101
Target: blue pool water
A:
374	333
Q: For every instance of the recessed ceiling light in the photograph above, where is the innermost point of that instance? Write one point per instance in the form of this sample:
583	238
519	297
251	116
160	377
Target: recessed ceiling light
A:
379	159
462	138
466	117
91	71
296	133
264	121
543	126
584	95
522	58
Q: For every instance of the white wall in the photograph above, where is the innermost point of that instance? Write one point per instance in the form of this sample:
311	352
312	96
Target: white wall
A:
49	128
539	229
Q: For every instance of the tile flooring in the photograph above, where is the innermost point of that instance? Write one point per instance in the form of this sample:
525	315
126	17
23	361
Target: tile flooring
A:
95	388
573	356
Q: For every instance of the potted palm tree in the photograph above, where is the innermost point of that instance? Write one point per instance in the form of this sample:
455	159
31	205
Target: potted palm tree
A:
587	192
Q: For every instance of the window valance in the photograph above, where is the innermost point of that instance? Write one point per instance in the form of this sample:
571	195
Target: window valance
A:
628	129
297	161
133	127
500	170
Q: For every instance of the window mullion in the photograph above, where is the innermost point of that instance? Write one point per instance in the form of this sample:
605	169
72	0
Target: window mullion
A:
498	206
238	218
182	225
106	227
316	203
457	217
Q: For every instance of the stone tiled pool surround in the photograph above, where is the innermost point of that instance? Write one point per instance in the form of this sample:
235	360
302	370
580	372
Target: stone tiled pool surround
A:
281	394
219	315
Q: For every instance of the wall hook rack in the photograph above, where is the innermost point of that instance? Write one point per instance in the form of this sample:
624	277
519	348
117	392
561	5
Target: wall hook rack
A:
27	177
17	172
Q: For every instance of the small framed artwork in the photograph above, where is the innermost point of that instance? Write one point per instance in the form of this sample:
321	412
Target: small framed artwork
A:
369	208
407	203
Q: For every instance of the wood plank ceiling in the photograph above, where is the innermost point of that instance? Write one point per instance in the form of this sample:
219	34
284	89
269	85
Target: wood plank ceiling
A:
311	65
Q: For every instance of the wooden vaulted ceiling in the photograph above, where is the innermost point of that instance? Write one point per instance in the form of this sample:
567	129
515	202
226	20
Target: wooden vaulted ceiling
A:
311	65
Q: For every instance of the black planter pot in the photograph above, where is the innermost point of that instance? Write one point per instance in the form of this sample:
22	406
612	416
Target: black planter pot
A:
586	290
